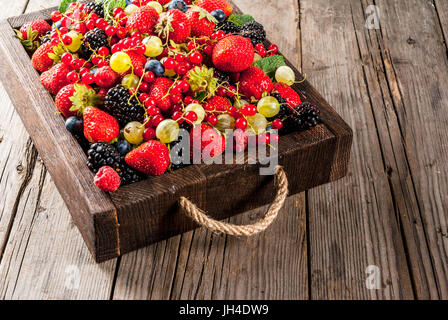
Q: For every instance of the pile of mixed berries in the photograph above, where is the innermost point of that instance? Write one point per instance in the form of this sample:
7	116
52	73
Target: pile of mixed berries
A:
128	75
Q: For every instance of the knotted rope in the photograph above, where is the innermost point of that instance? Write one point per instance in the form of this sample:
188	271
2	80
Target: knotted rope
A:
201	218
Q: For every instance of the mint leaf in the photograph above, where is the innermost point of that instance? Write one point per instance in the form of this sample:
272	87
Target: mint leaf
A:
270	64
240	19
110	5
65	4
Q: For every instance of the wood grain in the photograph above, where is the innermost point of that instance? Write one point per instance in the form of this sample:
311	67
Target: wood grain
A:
44	254
351	223
418	57
200	265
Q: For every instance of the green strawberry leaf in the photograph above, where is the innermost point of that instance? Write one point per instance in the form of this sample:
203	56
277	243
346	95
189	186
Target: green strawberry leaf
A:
270	64
240	19
65	4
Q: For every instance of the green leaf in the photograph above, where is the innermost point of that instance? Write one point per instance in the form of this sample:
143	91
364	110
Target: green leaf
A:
240	19
270	64
201	95
110	5
65	4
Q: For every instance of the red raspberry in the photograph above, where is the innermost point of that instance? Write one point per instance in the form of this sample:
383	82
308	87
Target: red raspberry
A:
107	179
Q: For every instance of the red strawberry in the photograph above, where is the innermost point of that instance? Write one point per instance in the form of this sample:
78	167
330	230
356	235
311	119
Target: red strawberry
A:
202	23
159	91
40	59
174	25
99	126
138	61
212	142
211	5
56	78
105	77
217	104
233	54
152	158
107	179
31	32
74	97
143	20
253	82
288	93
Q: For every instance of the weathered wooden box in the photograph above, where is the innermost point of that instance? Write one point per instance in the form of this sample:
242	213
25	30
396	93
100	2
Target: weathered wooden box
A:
147	212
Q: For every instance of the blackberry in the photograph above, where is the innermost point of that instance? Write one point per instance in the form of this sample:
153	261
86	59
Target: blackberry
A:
96	7
306	116
254	31
221	76
228	27
119	104
103	154
93	40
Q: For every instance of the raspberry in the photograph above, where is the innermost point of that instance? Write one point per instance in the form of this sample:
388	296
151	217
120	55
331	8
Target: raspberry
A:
107	179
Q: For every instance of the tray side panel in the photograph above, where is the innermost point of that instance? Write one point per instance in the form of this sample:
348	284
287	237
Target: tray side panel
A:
62	155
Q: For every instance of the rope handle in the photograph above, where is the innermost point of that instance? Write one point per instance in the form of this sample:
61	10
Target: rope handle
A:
201	218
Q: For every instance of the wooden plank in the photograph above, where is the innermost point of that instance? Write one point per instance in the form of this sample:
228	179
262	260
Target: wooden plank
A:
92	209
419	63
351	223
204	266
44	254
376	62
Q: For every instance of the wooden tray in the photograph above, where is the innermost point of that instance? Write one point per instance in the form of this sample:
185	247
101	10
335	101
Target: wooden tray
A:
147	212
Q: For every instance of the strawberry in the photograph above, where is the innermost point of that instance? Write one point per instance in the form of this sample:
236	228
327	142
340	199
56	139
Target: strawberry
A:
41	60
138	61
217	104
74	97
31	31
174	25
211	5
159	91
151	158
212	142
233	54
56	78
143	20
254	82
288	93
105	77
202	23
107	179
99	126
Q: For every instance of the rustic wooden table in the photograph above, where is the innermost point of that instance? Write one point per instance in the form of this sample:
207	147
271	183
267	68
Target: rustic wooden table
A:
380	233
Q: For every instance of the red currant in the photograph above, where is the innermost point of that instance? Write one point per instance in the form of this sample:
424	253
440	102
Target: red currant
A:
177	115
196	58
188	100
191	117
149	134
212	119
191	45
81	28
179	57
262	52
110	30
175	98
277	124
273	48
183	85
101	23
218	35
117	10
157	119
208	50
103	51
90	24
149	77
121	33
144	87
249	110
67	40
150	104
221	91
87	78
169	63
67	58
241	123
56	16
72	77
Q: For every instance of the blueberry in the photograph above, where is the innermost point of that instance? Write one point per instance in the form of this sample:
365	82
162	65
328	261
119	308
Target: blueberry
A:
219	15
128	2
155	67
179	5
74	125
123	147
